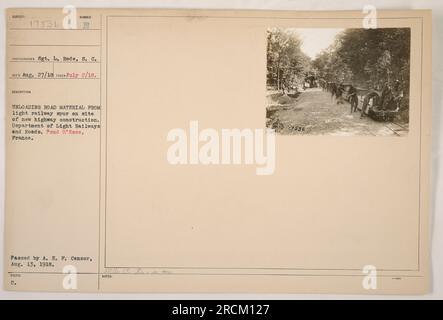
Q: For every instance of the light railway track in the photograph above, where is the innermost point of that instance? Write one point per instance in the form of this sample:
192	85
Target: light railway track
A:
398	129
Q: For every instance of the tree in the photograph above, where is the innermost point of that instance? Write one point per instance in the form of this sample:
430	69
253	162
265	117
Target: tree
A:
367	57
286	63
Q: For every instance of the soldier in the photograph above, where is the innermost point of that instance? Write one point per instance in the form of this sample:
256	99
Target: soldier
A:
339	93
397	93
333	89
391	96
386	96
353	99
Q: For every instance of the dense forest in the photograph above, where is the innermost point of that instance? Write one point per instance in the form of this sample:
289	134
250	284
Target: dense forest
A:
363	57
367	57
287	65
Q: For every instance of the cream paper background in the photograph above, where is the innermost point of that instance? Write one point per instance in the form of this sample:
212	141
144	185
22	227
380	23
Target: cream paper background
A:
332	203
318	221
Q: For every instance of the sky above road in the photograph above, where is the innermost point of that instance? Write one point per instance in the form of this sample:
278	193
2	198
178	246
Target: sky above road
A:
316	40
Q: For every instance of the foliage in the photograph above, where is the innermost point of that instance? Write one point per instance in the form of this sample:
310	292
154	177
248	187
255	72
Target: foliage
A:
287	65
367	57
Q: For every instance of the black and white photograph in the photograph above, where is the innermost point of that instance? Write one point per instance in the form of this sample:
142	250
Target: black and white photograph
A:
339	82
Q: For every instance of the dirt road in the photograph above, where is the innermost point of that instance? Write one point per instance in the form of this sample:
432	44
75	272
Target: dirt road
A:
314	112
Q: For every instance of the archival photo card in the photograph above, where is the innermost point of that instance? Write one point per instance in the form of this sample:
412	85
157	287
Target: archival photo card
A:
217	151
